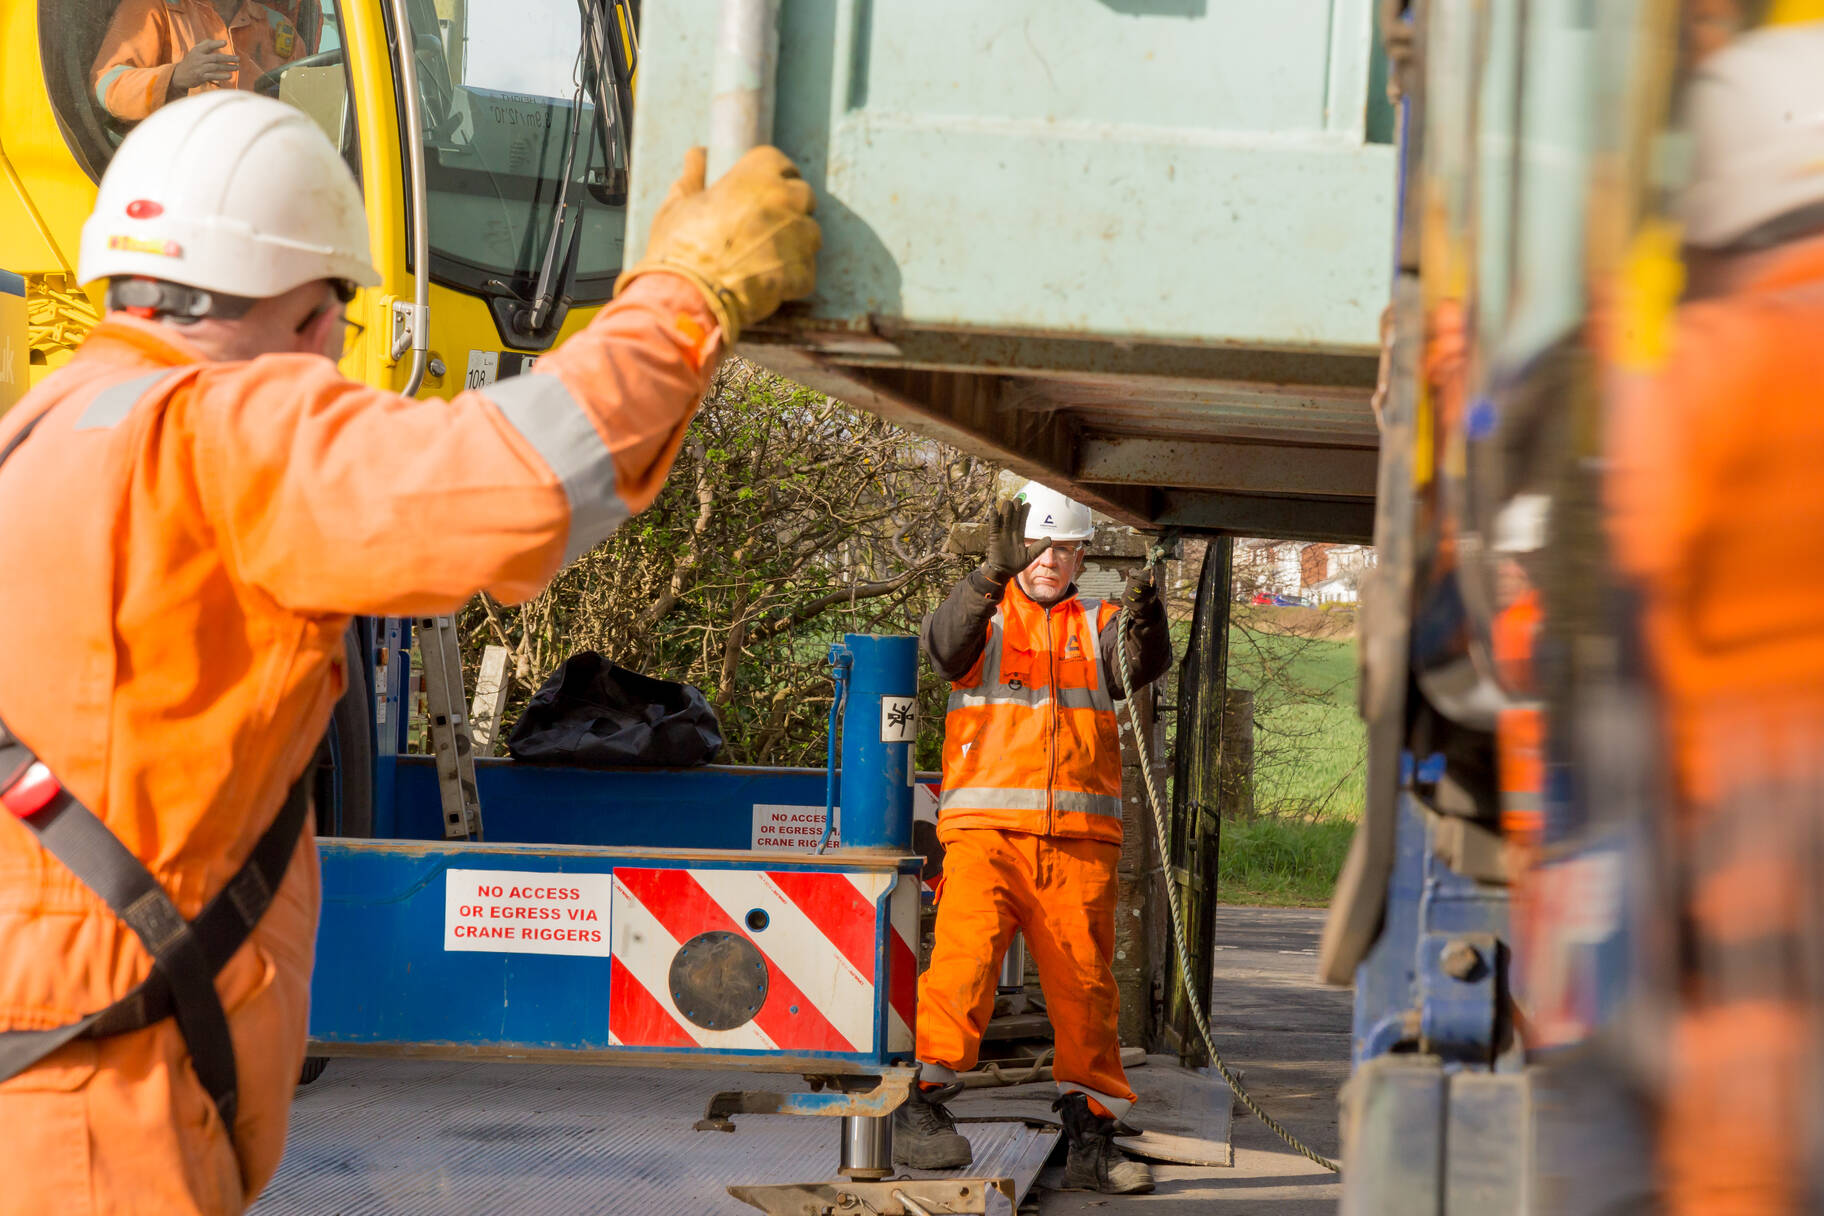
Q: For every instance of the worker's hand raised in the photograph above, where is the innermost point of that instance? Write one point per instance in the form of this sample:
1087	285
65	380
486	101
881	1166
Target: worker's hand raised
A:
1008	551
204	66
748	242
1140	589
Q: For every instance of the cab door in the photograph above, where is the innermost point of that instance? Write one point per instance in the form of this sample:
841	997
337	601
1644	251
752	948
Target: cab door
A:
515	112
512	113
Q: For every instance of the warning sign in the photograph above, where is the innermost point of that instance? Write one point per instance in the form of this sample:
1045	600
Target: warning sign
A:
898	719
791	827
924	801
527	912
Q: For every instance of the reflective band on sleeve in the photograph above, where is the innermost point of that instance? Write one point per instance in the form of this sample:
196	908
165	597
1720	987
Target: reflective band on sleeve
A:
107	80
560	429
115	402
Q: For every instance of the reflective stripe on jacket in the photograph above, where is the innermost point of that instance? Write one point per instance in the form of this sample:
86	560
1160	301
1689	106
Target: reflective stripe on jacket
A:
1030	738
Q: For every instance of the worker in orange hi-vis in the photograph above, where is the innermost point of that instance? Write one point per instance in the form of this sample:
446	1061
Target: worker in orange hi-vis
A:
1030	821
307	17
190	511
156	51
1718	518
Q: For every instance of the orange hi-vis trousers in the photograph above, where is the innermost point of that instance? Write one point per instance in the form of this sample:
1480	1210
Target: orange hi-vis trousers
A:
1060	892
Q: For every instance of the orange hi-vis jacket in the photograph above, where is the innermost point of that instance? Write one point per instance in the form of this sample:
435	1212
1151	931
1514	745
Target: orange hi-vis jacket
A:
1031	743
147	38
1717	515
183	544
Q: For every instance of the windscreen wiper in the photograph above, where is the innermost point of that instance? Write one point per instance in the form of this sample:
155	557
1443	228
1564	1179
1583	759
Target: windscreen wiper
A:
614	95
554	276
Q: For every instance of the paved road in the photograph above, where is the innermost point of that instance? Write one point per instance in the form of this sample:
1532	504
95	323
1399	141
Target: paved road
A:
1289	1036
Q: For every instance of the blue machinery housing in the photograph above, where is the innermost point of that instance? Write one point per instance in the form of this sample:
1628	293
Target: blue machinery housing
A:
391	979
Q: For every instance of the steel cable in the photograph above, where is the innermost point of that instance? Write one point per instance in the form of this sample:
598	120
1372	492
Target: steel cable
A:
1157	805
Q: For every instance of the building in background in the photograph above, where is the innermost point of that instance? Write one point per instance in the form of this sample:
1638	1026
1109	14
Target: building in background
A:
1268	568
1332	574
1311	573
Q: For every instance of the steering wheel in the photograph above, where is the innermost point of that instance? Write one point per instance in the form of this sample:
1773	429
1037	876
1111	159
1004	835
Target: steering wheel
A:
268	83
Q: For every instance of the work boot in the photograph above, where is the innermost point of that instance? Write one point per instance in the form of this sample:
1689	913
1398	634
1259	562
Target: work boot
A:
1095	1164
924	1132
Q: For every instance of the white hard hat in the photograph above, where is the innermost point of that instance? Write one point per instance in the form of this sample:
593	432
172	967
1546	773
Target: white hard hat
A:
1521	524
228	192
1054	515
1756	112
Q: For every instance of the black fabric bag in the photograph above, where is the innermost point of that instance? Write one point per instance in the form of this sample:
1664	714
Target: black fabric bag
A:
593	713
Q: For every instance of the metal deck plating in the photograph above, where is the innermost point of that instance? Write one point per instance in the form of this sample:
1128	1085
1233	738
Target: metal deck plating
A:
414	1136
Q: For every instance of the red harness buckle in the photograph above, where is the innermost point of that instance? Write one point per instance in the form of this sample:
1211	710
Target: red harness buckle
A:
32	791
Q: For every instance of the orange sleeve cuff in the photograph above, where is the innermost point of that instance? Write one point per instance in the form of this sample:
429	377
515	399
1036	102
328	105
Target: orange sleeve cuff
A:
680	303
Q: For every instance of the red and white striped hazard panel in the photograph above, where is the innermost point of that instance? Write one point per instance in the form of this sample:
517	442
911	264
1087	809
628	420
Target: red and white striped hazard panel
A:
812	943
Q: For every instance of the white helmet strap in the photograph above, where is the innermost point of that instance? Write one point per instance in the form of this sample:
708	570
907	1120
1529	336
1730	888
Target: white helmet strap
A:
181	304
1792	226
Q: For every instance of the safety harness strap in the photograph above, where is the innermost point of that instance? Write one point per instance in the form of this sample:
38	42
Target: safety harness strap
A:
19	437
186	955
72	834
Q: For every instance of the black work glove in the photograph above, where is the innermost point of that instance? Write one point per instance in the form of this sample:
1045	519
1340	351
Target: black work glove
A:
1140	590
1008	551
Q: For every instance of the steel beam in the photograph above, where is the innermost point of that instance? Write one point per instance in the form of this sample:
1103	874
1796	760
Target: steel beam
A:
1342	522
966	411
1318	373
1243	468
1125	478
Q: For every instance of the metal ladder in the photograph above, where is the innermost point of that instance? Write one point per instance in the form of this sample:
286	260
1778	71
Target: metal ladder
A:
452	741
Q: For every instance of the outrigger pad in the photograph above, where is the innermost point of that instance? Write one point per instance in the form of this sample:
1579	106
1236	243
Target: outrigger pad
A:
837	1096
900	1197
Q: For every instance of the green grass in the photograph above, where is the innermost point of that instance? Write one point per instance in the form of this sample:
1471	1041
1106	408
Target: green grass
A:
1314	769
1281	861
1309	743
1309	776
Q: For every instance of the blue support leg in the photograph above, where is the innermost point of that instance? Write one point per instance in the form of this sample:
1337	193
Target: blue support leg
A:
880	727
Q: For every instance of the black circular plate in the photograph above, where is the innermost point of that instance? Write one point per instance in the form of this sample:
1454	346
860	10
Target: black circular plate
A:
718	980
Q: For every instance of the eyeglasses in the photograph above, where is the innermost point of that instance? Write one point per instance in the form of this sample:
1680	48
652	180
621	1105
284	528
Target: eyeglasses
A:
1066	548
351	330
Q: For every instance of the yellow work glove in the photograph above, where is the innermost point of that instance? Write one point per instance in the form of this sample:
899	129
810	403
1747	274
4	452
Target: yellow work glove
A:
748	242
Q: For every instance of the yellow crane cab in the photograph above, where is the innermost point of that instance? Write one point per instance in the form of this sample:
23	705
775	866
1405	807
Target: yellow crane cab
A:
493	157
